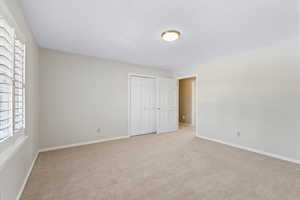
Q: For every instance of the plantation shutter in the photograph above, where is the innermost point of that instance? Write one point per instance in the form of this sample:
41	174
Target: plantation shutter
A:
19	87
6	78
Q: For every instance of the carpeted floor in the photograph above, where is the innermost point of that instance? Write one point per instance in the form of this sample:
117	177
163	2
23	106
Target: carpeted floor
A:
170	166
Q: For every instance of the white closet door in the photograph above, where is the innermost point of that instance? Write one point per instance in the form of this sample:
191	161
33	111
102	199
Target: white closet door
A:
167	105
143	96
149	113
136	105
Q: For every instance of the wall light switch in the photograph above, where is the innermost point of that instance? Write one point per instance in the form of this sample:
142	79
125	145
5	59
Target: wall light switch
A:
98	130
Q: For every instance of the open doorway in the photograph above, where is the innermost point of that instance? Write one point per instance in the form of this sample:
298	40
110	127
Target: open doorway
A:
187	103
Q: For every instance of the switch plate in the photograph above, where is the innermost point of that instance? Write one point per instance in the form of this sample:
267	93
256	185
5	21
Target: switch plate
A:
98	130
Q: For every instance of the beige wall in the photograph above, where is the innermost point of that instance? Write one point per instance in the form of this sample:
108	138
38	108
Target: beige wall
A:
256	93
14	170
80	94
185	100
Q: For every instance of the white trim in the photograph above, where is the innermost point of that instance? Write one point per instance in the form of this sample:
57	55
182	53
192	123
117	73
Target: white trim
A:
187	76
129	106
251	150
27	176
196	99
141	75
82	143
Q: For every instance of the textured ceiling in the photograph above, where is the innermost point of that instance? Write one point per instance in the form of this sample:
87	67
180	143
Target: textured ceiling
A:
129	30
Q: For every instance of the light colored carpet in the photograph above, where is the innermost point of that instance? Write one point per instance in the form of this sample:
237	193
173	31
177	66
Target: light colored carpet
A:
170	166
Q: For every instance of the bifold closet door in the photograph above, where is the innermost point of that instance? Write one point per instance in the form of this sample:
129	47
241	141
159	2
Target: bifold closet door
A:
143	113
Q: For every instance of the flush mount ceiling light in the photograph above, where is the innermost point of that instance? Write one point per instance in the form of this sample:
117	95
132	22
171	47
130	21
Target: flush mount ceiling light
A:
170	35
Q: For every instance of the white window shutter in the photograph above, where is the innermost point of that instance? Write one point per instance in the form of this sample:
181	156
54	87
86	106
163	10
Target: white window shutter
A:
19	87
7	36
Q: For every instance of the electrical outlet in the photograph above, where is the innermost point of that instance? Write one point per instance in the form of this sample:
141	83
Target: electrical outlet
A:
98	130
238	133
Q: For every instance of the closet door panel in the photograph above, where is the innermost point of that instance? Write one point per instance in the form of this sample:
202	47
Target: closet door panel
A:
167	104
149	105
143	105
152	106
136	105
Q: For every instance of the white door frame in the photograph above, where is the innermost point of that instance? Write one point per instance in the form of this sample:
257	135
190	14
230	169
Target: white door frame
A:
196	99
129	98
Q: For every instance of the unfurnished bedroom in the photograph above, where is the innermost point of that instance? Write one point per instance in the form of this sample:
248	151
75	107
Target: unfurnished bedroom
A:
149	100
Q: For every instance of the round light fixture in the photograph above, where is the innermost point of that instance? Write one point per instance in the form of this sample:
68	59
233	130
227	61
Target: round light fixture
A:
170	35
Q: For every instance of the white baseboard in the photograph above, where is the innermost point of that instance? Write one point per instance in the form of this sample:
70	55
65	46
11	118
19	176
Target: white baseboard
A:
81	144
27	176
251	149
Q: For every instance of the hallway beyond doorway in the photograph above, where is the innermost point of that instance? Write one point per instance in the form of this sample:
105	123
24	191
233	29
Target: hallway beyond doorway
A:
187	102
